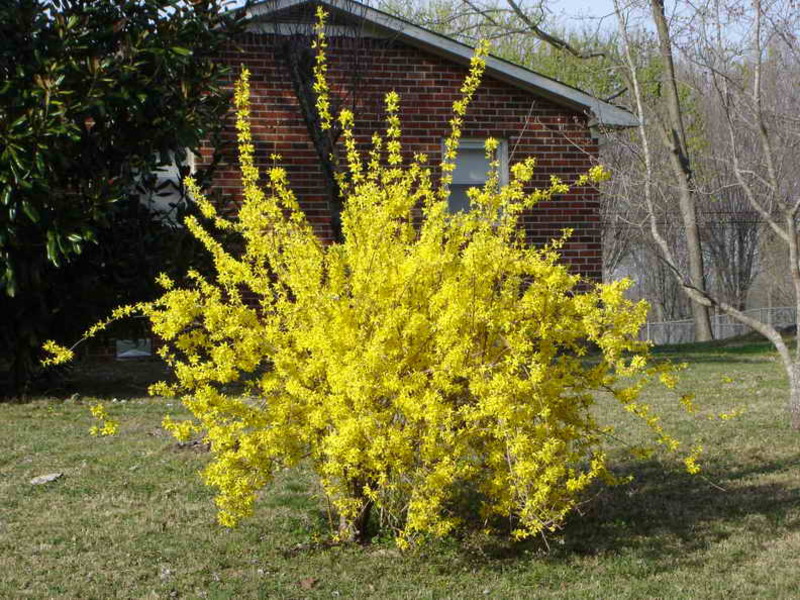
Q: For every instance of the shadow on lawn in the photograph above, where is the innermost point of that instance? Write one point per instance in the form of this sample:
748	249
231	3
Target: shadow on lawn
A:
668	516
666	511
106	379
731	350
728	359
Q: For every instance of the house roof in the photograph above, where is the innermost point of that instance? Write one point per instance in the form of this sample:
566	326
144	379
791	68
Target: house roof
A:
602	113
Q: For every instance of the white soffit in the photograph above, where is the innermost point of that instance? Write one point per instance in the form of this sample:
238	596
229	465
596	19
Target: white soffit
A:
382	24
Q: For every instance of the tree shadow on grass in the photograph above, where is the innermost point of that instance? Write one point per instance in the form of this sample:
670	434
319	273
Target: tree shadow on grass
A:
107	379
670	505
728	359
670	517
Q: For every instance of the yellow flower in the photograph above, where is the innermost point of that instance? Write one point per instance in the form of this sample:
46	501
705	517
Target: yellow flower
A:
425	355
107	425
58	354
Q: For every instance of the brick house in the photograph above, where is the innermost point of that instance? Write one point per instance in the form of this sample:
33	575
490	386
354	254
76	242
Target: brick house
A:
371	53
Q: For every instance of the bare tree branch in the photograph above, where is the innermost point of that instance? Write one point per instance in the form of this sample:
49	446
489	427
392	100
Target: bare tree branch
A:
551	39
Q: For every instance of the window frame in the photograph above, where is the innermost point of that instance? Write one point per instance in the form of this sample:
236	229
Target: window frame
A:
474	143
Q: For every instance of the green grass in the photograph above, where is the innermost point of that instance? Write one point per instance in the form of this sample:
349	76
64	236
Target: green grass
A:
748	343
131	519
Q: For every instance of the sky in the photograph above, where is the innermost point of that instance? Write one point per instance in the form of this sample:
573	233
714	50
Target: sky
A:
583	14
582	8
573	14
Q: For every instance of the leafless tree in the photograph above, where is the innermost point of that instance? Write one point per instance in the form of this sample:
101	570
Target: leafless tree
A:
673	133
752	79
733	232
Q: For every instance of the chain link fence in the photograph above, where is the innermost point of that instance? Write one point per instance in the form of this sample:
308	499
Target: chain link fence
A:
723	326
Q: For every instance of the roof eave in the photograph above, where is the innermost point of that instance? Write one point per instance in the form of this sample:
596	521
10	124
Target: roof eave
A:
602	113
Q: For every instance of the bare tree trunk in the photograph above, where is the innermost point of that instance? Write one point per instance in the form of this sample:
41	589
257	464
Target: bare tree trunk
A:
358	530
675	137
793	373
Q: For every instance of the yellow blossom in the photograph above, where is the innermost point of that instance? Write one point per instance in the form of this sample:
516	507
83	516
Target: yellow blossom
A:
107	426
427	356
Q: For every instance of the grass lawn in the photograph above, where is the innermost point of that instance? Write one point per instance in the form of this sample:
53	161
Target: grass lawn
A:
131	519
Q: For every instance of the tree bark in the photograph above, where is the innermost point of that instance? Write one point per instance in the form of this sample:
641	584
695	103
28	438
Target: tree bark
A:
793	371
358	530
675	138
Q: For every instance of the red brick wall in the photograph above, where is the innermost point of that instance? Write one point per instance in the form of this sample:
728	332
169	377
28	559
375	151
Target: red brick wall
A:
557	137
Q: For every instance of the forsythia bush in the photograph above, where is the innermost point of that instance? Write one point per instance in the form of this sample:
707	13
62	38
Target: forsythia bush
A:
432	365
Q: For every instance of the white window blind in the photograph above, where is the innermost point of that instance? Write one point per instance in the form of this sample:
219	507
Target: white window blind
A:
163	194
472	169
168	186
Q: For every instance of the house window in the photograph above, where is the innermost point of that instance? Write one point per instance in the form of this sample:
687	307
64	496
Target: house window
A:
162	190
140	348
168	181
472	169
